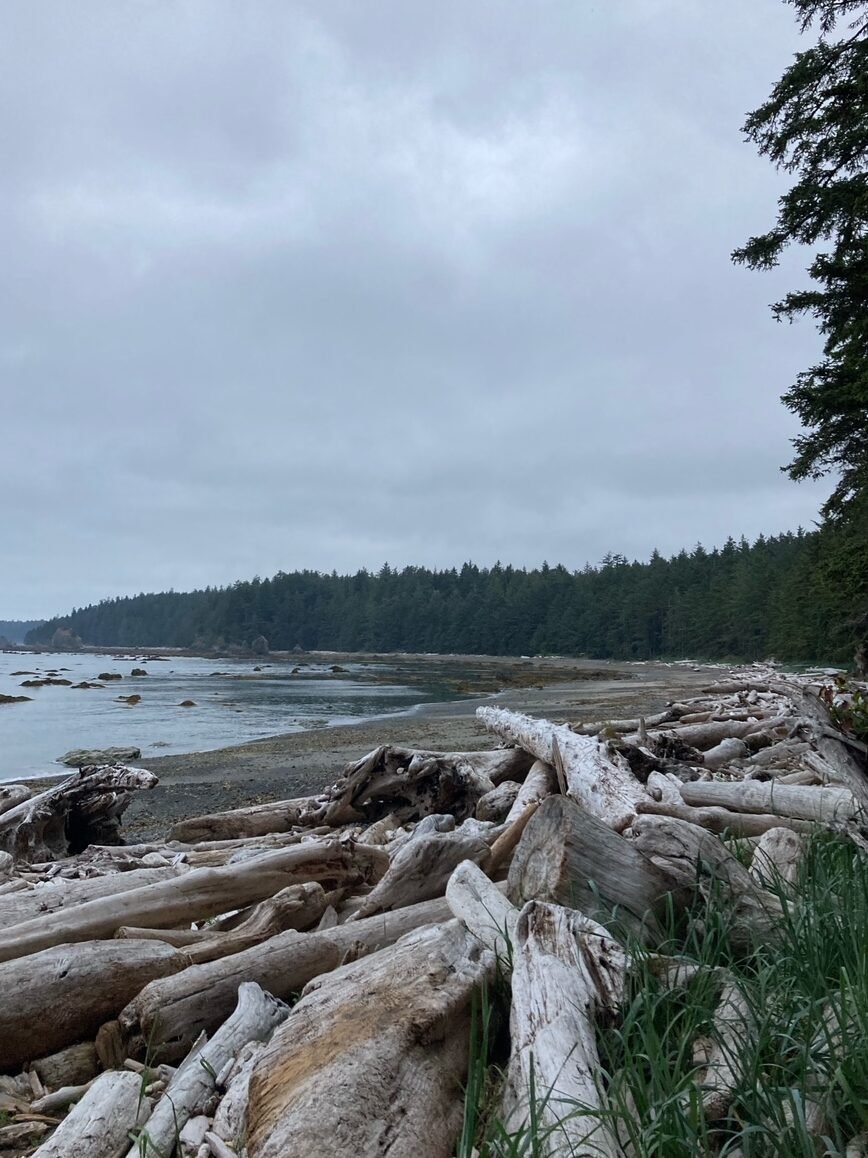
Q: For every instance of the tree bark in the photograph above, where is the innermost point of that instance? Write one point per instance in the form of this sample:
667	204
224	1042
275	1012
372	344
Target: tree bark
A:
391	1033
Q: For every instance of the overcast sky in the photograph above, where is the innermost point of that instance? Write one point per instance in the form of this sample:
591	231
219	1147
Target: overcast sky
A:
332	283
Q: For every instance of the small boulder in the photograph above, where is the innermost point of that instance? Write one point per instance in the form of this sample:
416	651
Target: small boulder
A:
80	757
138	671
187	704
109	675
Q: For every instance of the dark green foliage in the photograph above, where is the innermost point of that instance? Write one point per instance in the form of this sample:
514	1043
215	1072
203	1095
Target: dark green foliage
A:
815	126
742	601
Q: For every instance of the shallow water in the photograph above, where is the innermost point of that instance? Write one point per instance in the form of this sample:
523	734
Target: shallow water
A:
234	704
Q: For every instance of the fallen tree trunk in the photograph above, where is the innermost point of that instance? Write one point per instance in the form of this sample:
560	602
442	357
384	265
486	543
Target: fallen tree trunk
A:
59	893
539	783
79	987
723	820
391	1033
255	1017
566	972
84	809
168	1014
825	805
98	1126
604	786
277	816
568	857
197	894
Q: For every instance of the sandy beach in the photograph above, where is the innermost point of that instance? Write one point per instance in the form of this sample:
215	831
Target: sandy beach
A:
304	762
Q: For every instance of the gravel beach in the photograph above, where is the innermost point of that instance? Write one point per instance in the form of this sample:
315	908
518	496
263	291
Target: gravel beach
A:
304	762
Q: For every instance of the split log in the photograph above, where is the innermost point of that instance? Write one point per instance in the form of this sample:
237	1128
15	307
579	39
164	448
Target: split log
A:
297	907
79	986
539	783
391	1033
256	1016
58	893
197	894
697	859
777	858
72	1066
98	1126
420	869
86	808
411	784
568	857
169	1013
602	784
566	973
825	805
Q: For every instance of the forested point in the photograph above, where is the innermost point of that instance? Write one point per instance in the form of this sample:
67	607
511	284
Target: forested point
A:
774	597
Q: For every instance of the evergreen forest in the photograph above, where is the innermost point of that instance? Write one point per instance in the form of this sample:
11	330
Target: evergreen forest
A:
774	597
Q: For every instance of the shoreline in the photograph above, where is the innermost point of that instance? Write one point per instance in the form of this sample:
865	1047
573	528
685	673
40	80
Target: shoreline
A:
303	763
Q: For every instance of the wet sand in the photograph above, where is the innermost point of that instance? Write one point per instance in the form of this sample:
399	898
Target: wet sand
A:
304	762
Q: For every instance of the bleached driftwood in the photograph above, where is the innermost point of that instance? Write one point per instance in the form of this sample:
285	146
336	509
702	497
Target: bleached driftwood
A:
566	972
277	816
98	1126
732	1028
698	859
483	909
197	894
724	820
230	1119
777	857
256	1016
12	795
568	857
411	784
602	784
167	1014
63	994
495	805
825	805
296	907
84	808
58	893
391	1033
539	783
420	869
74	1065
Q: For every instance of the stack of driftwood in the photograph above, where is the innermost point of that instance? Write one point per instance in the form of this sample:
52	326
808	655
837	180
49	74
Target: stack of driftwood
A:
297	978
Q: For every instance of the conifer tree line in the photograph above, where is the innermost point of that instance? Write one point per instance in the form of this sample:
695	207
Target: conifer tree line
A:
746	601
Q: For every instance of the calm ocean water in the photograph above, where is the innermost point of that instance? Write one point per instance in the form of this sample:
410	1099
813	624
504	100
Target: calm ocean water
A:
234	704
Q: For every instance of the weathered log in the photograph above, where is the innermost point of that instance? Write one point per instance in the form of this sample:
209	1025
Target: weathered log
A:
296	907
68	1067
99	1124
230	1119
846	768
169	1013
11	795
722	820
59	893
197	894
391	1032
539	783
566	973
277	816
616	727
568	857
825	805
732	1028
81	985
602	784
420	869
85	808
484	910
495	805
777	858
256	1016
411	783
697	859
725	753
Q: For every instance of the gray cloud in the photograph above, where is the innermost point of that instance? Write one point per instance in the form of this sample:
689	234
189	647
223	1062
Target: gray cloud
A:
324	284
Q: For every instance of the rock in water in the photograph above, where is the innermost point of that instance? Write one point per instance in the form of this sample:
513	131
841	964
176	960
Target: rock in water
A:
82	757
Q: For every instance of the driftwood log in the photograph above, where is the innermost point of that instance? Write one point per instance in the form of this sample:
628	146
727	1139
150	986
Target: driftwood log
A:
602	784
98	1126
84	809
391	1033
